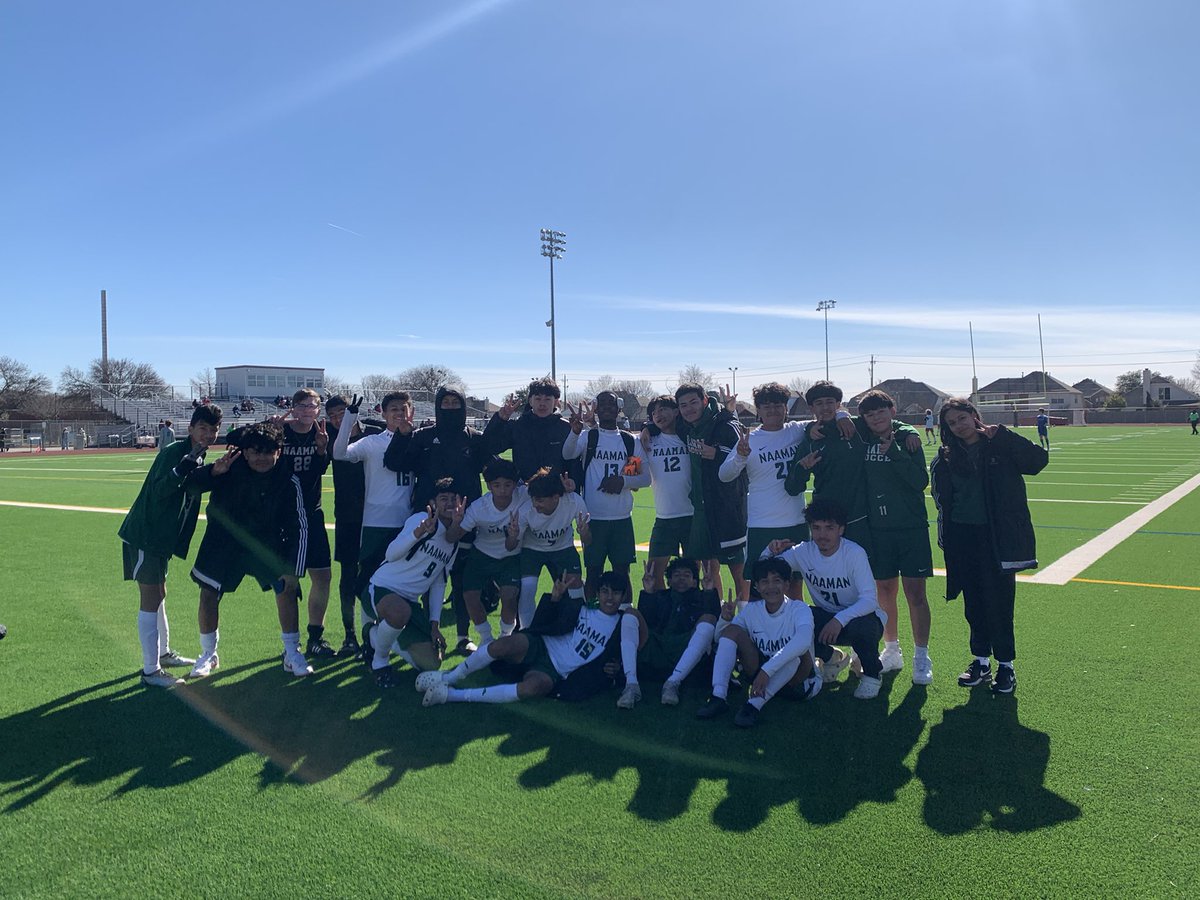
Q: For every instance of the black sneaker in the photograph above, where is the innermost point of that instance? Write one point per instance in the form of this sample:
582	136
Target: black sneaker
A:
385	678
977	673
715	706
1006	680
349	646
366	652
465	646
747	716
319	648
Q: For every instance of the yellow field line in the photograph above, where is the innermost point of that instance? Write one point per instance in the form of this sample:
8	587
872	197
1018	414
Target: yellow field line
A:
1169	587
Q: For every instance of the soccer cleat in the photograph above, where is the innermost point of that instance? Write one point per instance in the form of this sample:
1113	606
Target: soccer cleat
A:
349	646
1006	680
629	697
426	680
892	659
716	706
976	673
172	660
670	693
465	646
295	663
811	687
159	678
366	651
868	688
319	649
922	670
747	716
436	695
385	677
205	665
834	666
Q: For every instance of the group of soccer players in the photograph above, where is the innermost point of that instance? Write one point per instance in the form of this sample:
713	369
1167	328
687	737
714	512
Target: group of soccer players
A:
414	527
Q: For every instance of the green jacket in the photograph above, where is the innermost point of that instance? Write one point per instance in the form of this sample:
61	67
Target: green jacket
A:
163	517
896	484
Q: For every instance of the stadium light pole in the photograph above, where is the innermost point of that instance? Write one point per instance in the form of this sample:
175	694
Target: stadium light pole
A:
554	244
825	306
733	370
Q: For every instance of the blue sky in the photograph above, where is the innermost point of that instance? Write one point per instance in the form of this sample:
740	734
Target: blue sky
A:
360	185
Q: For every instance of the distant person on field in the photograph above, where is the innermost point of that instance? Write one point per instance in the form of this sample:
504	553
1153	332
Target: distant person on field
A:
160	525
930	428
66	438
1043	429
166	435
1194	419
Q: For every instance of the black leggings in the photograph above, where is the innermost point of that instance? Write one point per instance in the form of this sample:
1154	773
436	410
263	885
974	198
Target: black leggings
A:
989	594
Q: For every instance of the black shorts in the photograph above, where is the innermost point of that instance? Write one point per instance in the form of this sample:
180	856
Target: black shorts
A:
317	556
347	533
222	564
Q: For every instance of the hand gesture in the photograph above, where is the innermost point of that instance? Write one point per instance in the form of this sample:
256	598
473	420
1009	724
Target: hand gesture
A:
612	484
727	400
428	524
278	420
728	608
988	431
355	403
778	545
708	451
706	577
811	459
322	438
513	529
568	483
649	582
221	466
406	421
758	687
885	442
582	528
576	417
560	586
511	405
460	510
743	444
846	428
814	432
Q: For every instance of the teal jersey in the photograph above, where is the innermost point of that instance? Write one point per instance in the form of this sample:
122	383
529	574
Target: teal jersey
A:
896	482
163	517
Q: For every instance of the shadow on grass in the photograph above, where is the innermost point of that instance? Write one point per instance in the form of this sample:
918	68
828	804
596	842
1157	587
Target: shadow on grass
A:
982	767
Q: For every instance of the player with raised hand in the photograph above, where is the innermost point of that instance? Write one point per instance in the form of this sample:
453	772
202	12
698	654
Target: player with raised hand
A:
665	457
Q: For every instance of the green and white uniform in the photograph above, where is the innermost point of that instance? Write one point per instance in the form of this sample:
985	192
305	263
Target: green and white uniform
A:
896	483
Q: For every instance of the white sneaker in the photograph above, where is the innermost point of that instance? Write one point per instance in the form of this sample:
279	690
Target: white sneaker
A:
159	678
922	670
172	660
436	695
630	696
836	664
670	693
426	680
892	659
868	688
295	663
205	665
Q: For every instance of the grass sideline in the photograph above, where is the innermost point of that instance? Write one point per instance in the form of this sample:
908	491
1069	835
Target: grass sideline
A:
252	783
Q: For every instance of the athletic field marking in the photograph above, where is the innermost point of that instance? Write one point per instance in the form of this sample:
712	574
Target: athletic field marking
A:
1105	502
1169	587
1073	564
99	509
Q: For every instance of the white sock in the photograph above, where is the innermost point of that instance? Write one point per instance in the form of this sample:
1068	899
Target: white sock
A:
164	630
208	642
507	628
383	636
697	646
891	645
291	641
147	625
1005	665
629	648
484	630
498	693
984	661
723	667
527	603
775	683
480	659
920	652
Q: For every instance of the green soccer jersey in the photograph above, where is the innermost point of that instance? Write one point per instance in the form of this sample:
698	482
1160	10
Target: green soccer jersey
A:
896	482
163	517
838	476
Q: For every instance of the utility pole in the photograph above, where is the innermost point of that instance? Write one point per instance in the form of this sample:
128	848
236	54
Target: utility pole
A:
734	369
554	244
825	306
872	370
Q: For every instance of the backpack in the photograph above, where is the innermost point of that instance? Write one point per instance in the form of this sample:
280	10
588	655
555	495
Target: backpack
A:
593	438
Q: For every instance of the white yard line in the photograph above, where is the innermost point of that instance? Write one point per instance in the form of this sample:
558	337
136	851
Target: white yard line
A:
1074	563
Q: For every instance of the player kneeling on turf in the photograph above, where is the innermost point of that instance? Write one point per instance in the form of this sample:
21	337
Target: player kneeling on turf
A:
256	526
566	638
416	563
772	637
845	610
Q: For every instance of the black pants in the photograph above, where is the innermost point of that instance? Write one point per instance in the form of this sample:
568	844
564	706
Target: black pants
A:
862	635
989	594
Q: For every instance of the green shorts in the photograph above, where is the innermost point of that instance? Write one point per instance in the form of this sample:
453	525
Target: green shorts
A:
372	549
537	658
557	561
860	532
671	537
482	570
612	539
758	538
417	631
661	652
703	548
904	551
143	567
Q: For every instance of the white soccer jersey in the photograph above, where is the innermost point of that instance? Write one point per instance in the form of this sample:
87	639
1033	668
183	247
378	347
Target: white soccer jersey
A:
491	523
593	630
609	460
416	565
842	583
552	532
670	474
768	505
781	636
388	494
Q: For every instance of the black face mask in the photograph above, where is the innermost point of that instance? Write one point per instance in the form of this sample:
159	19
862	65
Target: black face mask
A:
451	420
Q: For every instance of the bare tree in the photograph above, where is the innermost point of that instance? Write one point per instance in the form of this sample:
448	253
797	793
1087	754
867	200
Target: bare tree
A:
426	378
203	383
380	384
335	384
694	374
127	379
800	385
19	384
639	387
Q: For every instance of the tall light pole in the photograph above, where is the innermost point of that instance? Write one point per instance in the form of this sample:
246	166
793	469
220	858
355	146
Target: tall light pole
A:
733	369
554	244
825	306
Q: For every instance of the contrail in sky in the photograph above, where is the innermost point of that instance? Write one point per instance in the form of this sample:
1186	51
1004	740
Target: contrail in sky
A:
340	228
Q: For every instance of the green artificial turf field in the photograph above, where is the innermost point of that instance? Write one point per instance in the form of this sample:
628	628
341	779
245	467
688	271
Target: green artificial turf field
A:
255	783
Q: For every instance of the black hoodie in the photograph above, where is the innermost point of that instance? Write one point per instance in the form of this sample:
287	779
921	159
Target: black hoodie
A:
445	449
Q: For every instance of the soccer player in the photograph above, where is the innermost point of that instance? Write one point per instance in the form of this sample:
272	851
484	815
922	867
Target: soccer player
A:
845	609
544	533
1194	421
417	562
256	526
306	446
772	636
665	456
566	636
388	495
766	455
1043	429
896	481
985	530
676	630
608	486
492	517
159	525
536	437
930	427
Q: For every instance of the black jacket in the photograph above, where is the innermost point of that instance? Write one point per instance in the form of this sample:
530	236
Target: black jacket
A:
535	442
659	608
1003	460
446	449
724	501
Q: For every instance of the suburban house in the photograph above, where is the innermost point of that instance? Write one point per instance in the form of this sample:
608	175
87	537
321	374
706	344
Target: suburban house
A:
1160	391
1095	395
912	397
